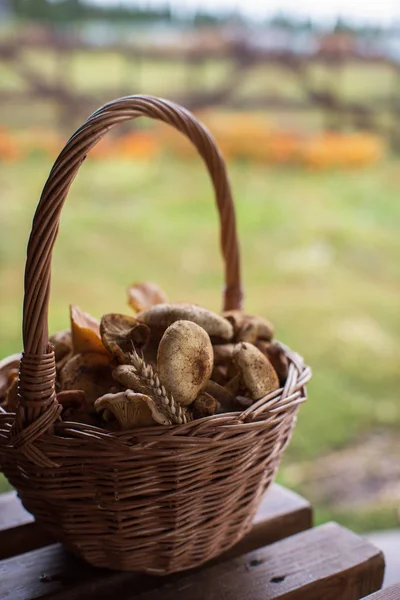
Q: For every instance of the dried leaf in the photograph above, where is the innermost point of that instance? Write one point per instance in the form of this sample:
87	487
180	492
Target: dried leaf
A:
85	332
144	295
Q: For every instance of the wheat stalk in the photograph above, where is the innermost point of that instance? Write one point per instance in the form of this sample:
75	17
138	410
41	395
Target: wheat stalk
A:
151	381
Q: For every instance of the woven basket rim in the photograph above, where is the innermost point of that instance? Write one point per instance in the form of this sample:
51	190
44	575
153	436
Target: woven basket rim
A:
257	415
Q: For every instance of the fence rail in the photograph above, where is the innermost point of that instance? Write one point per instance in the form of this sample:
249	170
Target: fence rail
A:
377	112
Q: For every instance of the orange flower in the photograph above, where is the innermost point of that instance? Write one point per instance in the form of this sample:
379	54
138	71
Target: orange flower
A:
9	150
138	144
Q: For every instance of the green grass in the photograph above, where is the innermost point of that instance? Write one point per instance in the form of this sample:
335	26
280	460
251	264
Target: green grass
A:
320	255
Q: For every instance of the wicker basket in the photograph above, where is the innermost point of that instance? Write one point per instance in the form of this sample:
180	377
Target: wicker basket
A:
159	499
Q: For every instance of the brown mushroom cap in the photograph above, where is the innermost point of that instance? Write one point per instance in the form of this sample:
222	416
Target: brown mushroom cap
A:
62	342
9	367
144	295
119	332
233	384
185	360
204	406
89	372
162	316
225	398
223	353
266	330
249	328
220	374
257	374
132	409
72	399
127	376
74	405
277	357
10	398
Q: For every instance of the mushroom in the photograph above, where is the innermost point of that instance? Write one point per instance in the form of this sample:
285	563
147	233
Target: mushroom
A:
90	372
119	332
144	295
184	360
244	402
10	397
76	408
131	409
72	401
248	332
85	332
277	357
257	374
62	344
204	406
220	374
9	367
128	377
142	377
249	328
162	316
223	353
233	384
225	398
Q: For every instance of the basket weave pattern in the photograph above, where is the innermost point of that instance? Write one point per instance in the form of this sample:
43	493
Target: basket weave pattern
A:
159	499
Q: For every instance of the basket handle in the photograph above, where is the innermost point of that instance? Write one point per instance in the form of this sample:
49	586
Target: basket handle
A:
37	370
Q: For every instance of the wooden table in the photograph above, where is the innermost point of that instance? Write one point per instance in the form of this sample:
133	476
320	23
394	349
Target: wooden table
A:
281	558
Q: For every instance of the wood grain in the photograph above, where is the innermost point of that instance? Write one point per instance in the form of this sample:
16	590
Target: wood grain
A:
390	593
325	563
281	513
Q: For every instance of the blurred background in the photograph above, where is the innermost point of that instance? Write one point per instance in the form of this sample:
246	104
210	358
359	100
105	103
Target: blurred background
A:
305	107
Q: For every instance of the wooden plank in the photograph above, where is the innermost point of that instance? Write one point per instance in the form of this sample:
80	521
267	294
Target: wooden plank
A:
23	538
325	563
18	531
281	513
390	593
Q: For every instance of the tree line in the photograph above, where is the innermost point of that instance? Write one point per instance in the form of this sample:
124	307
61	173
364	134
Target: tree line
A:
64	11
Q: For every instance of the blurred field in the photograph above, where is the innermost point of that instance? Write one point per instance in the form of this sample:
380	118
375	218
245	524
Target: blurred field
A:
321	259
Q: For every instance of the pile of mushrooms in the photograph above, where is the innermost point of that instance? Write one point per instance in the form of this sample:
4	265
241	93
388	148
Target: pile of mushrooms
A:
168	364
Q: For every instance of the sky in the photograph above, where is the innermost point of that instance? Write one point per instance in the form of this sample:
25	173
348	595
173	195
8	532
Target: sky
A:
382	12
